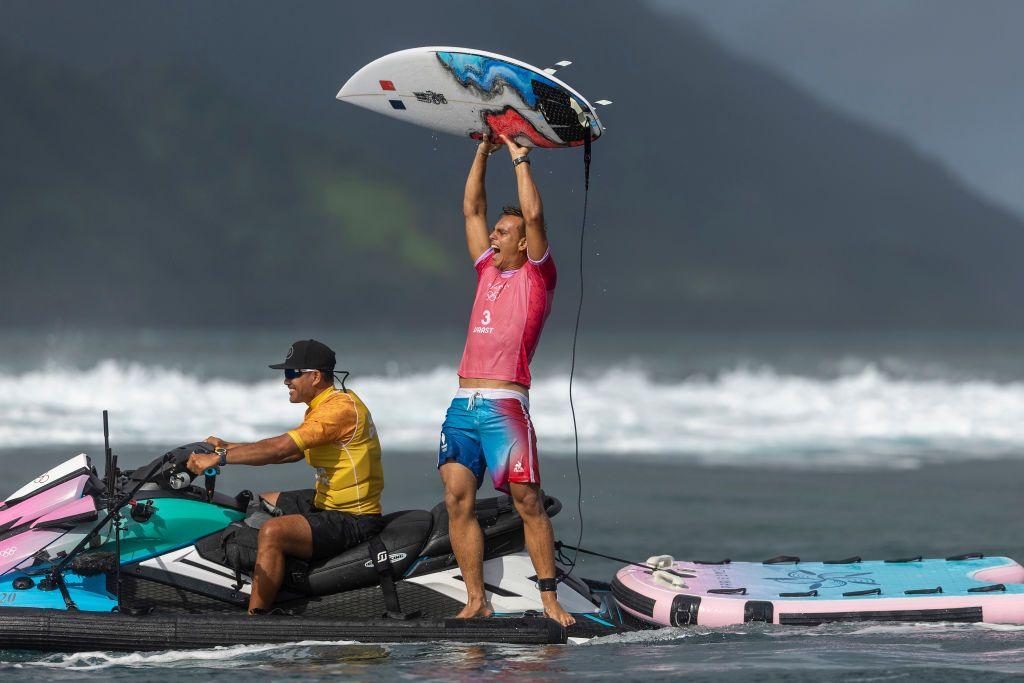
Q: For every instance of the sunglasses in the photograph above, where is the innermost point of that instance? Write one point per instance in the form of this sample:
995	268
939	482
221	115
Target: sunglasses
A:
294	374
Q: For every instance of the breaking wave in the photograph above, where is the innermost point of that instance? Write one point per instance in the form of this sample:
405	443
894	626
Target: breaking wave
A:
745	415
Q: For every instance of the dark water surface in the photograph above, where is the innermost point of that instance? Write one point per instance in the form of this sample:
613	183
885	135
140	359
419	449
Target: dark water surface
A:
635	509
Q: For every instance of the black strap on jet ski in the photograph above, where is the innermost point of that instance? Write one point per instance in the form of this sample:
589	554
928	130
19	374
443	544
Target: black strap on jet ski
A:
489	510
385	573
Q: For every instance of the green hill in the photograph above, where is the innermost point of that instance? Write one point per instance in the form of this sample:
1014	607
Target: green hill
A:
174	201
238	191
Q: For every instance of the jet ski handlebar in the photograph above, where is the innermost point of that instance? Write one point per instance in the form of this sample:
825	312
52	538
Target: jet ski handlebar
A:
170	471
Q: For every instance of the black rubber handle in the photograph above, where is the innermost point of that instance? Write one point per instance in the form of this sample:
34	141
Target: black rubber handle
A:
994	588
783	559
965	556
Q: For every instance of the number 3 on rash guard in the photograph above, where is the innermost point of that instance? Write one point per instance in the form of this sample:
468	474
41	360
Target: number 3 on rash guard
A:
508	315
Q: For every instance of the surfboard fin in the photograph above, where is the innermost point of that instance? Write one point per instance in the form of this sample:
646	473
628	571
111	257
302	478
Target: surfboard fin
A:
550	71
581	115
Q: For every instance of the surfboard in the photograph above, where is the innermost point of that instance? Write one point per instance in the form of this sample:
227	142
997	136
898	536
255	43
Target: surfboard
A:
472	93
784	590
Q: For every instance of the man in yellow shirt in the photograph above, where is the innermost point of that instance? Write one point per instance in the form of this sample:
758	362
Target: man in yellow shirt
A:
338	438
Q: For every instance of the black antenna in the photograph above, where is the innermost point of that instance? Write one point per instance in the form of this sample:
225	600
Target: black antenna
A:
109	472
113	507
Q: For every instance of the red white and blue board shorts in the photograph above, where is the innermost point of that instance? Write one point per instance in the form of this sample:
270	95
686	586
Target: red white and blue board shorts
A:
490	429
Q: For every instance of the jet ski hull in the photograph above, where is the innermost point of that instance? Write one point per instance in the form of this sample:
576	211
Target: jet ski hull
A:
63	631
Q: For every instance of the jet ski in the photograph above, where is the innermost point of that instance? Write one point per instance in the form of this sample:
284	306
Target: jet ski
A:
145	559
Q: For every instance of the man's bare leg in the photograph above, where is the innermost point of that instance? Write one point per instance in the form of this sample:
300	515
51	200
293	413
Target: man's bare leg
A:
540	543
466	536
280	536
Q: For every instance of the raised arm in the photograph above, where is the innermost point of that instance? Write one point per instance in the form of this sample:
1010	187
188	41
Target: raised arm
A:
529	202
474	203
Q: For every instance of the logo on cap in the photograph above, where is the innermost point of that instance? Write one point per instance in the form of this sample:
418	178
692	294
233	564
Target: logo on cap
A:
291	352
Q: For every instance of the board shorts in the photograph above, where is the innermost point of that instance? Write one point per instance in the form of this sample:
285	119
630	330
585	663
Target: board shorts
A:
333	531
490	429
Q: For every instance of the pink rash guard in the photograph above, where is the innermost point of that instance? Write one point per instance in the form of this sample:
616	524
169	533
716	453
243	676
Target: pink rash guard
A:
508	315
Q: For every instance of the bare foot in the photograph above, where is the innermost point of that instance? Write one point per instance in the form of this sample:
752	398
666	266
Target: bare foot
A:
475	609
552	610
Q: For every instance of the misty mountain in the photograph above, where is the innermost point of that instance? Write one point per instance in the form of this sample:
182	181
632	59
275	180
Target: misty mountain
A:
169	200
212	178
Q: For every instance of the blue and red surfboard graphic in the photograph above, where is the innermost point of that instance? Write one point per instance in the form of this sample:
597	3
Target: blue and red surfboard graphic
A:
390	87
491	76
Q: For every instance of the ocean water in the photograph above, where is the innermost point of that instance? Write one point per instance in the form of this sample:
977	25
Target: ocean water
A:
702	448
777	400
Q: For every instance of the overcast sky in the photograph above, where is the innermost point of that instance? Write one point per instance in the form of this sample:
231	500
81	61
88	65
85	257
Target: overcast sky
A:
947	74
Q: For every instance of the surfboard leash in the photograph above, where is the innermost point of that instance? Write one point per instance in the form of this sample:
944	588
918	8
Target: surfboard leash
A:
575	334
642	565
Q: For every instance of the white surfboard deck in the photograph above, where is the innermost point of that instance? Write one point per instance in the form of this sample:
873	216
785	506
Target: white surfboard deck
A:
73	467
471	93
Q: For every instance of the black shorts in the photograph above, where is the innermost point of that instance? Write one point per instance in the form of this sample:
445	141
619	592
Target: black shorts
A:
333	531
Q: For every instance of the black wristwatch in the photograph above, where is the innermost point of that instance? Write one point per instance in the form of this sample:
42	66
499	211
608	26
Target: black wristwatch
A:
520	160
223	453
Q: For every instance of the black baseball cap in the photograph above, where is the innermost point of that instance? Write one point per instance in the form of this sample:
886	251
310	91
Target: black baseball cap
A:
307	354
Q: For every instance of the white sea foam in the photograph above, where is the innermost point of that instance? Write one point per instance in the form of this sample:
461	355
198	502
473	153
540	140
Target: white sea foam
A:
661	635
927	627
740	416
221	657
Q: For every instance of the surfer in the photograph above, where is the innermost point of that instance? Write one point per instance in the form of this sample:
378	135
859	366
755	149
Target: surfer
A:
338	438
488	424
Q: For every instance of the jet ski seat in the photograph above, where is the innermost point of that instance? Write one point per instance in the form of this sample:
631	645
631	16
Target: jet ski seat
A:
403	535
499	520
413	537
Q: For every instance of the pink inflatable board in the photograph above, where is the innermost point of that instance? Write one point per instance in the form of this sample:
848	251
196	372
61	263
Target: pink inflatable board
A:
784	590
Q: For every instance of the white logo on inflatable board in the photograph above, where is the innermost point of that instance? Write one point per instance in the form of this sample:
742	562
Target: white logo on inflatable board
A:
394	557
